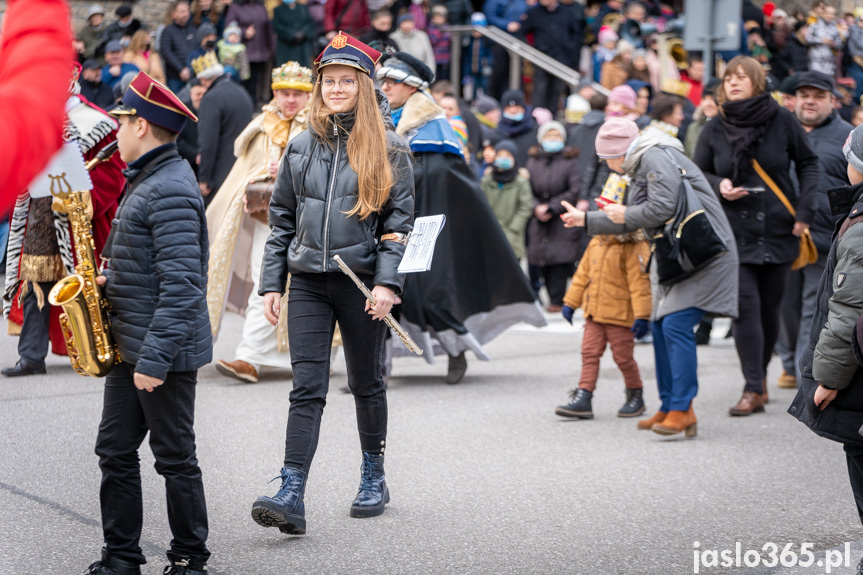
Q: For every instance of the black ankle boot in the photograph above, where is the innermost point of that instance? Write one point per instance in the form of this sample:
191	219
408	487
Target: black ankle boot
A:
456	368
580	406
702	334
634	405
373	494
113	566
286	509
184	566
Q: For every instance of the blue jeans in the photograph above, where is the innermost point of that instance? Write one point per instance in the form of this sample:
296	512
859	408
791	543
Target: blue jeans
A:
676	360
176	85
315	303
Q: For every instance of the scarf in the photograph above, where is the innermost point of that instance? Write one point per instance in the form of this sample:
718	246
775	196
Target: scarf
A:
504	176
745	123
277	128
511	128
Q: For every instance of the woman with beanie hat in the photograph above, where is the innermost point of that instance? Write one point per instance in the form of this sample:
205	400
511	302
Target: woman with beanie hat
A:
507	188
752	146
651	200
555	177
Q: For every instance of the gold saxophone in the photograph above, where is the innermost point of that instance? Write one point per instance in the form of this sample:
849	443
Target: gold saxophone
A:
84	321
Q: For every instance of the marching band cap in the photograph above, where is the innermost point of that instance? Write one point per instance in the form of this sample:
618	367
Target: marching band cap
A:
155	103
402	67
348	51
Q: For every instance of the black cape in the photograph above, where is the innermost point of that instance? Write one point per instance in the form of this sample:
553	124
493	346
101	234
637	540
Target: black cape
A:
475	288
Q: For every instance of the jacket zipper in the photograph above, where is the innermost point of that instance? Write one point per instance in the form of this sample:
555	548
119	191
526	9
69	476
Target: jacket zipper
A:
329	196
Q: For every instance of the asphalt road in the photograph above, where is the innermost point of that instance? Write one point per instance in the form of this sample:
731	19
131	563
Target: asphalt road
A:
484	477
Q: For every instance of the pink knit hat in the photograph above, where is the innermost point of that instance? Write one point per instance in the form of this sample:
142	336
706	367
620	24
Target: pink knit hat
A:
606	34
624	95
614	137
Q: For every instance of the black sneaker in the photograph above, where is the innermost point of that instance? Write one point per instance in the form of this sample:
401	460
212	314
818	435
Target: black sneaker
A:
579	407
113	566
184	566
634	405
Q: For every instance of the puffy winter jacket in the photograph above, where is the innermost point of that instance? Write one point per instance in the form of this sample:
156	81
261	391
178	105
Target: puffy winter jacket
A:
612	284
157	278
315	188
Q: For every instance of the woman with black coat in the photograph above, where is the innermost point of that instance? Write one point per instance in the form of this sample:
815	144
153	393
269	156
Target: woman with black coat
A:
751	125
345	187
554	177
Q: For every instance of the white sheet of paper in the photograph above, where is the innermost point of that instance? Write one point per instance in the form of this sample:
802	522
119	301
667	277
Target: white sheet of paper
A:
66	167
420	248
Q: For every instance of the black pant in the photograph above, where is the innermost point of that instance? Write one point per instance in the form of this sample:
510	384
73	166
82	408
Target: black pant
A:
168	413
555	281
546	91
854	458
258	84
33	342
316	302
499	72
756	328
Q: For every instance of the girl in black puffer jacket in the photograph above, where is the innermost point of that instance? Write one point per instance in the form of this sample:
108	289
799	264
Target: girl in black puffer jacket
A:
345	187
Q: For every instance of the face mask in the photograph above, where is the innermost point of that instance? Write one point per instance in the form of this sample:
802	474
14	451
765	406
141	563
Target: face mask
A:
124	43
514	117
552	146
503	163
417	1
210	44
289	2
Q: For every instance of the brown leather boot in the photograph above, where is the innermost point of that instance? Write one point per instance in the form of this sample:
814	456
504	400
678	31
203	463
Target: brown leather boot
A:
749	403
238	369
677	422
658	417
787	381
764	391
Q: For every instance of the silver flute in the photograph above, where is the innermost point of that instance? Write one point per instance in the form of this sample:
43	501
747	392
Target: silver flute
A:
389	319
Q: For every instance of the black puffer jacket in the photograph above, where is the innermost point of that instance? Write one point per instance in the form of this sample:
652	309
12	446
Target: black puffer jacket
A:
157	278
314	189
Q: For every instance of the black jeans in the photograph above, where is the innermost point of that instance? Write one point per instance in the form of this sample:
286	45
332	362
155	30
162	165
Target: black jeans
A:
168	413
546	91
34	339
854	458
315	303
756	328
555	276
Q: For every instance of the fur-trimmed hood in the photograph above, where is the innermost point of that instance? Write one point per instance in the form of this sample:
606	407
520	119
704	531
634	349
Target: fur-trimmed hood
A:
420	109
538	152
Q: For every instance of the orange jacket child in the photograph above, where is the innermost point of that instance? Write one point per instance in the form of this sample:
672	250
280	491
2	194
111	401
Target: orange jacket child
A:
612	286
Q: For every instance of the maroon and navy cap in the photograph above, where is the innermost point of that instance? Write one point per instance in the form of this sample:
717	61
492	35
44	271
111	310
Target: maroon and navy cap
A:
155	103
349	51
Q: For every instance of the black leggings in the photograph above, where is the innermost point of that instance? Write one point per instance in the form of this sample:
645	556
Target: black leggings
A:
756	328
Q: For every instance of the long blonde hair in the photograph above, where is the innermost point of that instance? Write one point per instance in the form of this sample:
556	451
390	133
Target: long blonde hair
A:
368	151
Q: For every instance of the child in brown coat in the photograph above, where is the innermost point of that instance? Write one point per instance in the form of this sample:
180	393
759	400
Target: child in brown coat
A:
612	286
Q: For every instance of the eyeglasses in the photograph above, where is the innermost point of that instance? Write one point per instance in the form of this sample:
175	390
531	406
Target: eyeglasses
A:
389	82
344	83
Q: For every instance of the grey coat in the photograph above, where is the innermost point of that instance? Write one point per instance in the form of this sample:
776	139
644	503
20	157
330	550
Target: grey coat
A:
651	201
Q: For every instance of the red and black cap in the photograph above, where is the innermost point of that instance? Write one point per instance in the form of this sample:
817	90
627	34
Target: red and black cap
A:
349	51
155	103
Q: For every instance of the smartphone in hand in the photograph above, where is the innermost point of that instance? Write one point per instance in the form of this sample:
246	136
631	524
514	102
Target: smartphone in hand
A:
754	190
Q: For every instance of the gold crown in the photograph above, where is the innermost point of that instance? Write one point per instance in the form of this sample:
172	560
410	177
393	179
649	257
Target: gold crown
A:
292	76
676	87
205	62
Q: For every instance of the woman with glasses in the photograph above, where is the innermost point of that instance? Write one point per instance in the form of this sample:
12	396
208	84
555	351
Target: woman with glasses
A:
344	187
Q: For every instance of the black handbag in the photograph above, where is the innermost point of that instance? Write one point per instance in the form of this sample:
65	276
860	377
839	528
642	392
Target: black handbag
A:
688	242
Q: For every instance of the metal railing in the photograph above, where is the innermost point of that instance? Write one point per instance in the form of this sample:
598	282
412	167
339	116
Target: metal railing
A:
517	50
